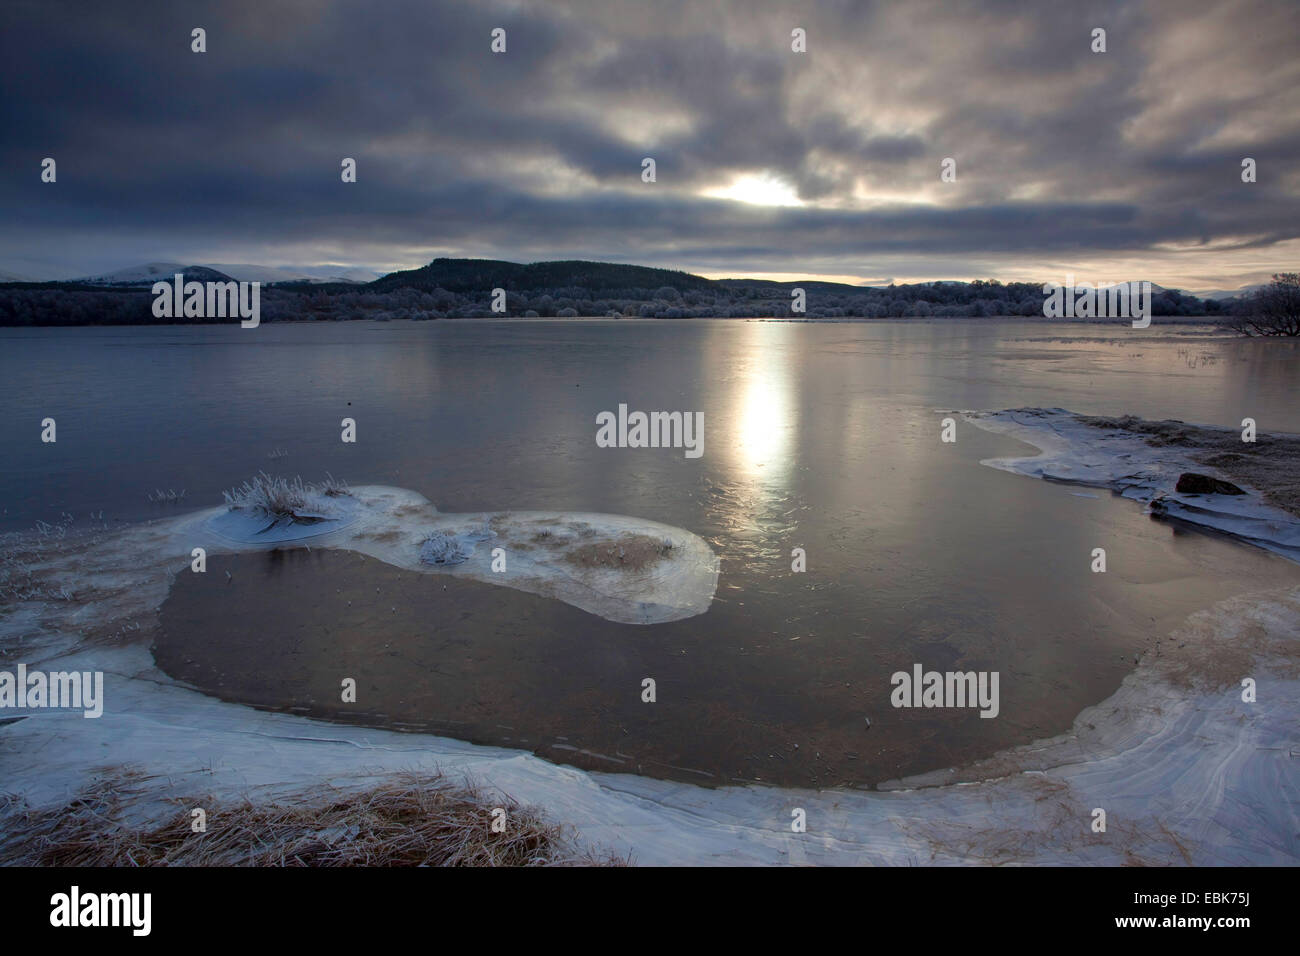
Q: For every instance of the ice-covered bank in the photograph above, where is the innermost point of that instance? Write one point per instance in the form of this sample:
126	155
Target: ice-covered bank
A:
629	570
1143	460
1186	771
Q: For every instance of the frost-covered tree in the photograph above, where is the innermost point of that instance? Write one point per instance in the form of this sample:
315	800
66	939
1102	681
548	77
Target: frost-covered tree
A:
1273	310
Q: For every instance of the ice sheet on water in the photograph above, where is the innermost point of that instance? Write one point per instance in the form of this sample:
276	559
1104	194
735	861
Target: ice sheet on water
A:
1123	460
313	520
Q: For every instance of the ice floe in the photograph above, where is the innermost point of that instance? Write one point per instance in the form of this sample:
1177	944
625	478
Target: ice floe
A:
541	552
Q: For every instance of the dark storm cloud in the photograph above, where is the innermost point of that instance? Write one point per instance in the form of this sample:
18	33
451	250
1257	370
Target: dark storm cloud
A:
233	155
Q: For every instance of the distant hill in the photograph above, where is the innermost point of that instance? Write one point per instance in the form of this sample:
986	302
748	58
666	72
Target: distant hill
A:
134	275
475	275
271	274
809	285
1234	294
152	272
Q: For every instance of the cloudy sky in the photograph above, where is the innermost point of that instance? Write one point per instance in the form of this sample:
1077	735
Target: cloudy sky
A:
1110	166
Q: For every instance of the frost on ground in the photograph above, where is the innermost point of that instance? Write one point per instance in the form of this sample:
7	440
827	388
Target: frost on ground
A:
1187	772
1144	460
1271	463
275	506
441	548
408	820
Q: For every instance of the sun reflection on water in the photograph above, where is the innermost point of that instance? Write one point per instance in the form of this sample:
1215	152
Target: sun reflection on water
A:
764	411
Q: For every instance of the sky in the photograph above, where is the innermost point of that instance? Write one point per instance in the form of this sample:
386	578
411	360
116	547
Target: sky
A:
1108	166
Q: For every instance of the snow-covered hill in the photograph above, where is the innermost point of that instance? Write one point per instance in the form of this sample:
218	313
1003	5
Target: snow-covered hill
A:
156	271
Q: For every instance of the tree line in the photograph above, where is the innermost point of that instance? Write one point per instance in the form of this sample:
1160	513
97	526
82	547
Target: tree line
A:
1270	311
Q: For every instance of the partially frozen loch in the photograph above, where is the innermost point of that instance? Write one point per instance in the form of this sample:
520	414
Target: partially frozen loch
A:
1186	772
1120	690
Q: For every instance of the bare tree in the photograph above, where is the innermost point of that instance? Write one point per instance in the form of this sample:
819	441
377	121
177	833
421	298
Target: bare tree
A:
1273	310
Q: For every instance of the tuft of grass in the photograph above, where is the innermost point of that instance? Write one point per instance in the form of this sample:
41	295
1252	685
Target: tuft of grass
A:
267	496
443	548
278	498
333	487
413	820
26	559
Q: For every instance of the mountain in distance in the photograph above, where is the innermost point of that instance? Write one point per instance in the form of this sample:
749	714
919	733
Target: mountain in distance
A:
739	283
135	275
152	272
320	274
473	275
809	285
818	285
1245	290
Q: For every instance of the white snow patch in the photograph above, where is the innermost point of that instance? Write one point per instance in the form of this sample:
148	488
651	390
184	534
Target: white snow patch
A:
1123	462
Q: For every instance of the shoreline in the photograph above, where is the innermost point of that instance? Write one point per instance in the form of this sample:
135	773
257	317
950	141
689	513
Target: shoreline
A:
1153	754
1142	460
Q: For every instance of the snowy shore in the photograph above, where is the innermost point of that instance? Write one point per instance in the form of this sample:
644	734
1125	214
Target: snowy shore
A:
1143	461
1186	771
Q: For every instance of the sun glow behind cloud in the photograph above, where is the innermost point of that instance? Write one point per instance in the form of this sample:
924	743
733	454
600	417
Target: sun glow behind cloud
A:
768	162
762	189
